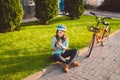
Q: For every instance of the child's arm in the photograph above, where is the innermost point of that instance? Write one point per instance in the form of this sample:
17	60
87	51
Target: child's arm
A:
53	44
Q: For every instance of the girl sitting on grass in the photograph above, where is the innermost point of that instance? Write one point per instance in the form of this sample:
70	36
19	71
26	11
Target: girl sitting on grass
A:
60	49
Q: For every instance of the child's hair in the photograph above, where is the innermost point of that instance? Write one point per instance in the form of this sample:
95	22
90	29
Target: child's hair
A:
64	37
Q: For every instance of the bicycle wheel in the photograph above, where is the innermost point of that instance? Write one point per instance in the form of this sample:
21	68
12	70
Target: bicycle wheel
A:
91	46
105	35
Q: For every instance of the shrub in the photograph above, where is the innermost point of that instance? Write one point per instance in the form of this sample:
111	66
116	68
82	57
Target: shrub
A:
11	14
74	8
46	10
110	5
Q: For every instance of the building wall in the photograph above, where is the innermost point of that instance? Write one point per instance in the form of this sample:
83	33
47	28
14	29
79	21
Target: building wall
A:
100	2
28	7
93	2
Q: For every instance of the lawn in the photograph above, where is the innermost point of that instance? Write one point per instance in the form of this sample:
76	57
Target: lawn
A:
28	50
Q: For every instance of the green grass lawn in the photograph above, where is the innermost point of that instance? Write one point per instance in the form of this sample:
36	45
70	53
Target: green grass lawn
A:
28	50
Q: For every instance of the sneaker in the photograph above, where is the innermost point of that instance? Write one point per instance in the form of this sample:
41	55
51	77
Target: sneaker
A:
74	64
66	68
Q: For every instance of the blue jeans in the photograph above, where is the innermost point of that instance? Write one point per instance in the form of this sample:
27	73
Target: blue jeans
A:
68	53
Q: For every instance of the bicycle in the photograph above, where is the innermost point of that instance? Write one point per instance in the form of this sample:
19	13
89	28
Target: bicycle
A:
96	37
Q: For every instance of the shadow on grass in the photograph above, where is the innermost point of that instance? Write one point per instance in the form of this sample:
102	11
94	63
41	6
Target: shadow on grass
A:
26	64
36	22
59	19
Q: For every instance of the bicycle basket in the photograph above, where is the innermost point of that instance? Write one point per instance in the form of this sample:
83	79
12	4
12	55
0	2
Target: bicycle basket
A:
92	28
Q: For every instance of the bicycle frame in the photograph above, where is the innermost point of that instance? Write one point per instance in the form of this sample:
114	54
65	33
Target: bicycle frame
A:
99	39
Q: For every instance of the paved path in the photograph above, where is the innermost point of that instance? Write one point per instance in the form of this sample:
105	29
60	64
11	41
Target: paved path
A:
103	64
29	19
103	13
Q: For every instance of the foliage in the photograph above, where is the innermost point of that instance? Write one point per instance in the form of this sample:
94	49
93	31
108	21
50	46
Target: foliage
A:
46	10
110	5
74	8
11	14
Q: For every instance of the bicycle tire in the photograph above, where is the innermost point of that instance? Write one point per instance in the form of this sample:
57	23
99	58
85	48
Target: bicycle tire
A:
91	46
105	36
108	32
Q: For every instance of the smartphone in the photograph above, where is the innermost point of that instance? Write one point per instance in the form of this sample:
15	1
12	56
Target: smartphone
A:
57	42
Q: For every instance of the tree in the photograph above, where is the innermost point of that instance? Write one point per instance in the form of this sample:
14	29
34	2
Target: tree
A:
46	10
11	14
110	5
74	8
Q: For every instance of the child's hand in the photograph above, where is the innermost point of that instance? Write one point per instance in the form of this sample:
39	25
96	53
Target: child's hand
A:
58	43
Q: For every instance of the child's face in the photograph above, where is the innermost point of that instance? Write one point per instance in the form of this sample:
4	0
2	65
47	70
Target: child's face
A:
60	33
